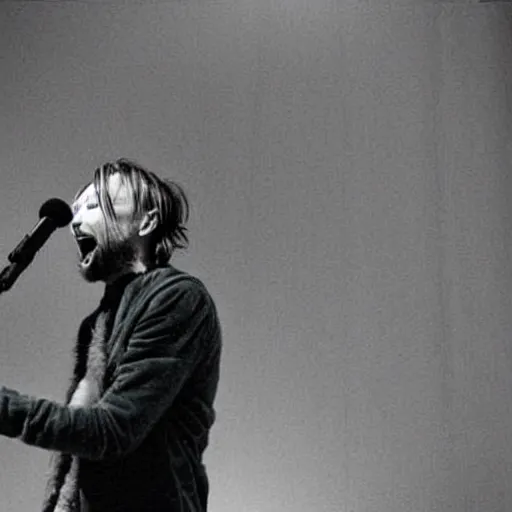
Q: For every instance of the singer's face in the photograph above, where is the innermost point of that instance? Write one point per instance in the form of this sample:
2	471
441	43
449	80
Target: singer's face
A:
105	252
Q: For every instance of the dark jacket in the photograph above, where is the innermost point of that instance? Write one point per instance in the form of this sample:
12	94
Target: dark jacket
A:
140	447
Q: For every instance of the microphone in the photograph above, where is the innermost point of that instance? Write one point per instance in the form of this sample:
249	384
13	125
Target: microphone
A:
53	214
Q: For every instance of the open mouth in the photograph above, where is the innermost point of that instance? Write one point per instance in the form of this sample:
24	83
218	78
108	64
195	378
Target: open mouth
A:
86	245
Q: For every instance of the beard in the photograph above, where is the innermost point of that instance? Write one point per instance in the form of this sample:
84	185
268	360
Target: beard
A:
108	260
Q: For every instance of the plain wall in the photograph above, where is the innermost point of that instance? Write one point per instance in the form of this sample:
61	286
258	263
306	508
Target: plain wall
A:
348	166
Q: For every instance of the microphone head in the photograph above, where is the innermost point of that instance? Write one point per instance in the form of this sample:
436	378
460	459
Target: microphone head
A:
58	211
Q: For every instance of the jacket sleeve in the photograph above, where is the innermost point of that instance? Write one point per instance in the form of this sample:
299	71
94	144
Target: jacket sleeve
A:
161	353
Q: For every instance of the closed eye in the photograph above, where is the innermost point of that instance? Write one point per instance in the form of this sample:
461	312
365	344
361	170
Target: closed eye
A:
91	206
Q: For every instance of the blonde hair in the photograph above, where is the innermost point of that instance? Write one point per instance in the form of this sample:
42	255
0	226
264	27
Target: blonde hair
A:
148	192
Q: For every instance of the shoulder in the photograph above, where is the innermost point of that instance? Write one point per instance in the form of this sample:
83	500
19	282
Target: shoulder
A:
166	284
176	298
167	298
165	278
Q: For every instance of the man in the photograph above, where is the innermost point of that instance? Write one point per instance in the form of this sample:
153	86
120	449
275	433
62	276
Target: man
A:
140	406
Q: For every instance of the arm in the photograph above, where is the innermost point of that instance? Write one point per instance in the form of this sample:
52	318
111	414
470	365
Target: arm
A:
161	354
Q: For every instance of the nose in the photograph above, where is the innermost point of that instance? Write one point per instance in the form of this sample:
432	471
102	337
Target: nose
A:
75	228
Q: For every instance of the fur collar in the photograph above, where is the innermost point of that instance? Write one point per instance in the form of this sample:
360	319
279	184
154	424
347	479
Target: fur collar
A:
63	492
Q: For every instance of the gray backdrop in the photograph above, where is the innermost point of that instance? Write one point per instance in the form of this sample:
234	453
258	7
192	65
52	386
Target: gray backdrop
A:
348	164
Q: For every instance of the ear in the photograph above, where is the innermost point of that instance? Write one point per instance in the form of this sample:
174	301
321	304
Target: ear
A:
149	222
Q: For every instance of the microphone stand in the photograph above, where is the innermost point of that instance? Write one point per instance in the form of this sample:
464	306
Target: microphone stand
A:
54	213
20	259
8	275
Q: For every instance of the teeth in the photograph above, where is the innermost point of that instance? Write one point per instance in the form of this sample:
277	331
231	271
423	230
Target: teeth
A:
88	258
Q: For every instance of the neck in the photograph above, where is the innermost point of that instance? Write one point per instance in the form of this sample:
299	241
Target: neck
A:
137	268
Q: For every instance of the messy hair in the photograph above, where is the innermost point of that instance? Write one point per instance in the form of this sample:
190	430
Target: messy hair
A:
148	192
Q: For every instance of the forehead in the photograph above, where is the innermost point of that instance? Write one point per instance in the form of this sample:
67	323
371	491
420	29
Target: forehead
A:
117	189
